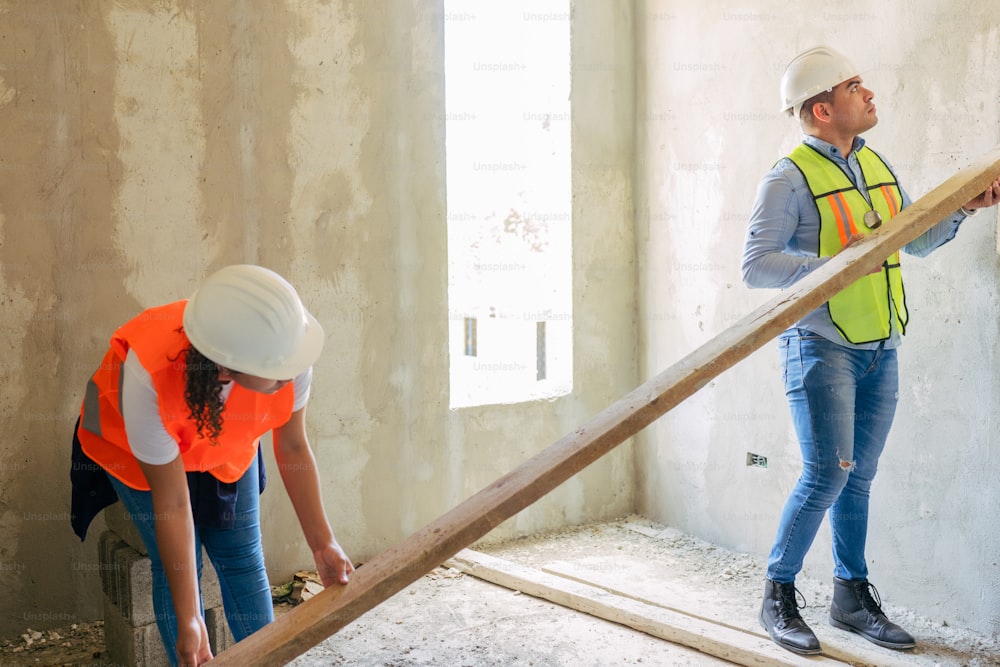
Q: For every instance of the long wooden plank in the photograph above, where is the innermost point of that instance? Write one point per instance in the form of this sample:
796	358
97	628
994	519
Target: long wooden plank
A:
399	566
848	649
736	646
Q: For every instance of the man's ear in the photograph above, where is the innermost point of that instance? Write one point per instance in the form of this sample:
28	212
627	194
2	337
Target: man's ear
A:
821	112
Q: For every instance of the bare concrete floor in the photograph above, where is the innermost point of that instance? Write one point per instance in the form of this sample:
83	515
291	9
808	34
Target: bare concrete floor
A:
463	621
456	620
453	619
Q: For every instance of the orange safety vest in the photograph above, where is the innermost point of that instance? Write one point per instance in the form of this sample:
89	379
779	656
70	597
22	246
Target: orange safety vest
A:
158	340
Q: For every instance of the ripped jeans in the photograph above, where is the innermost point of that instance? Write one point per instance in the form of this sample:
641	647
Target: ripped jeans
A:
842	402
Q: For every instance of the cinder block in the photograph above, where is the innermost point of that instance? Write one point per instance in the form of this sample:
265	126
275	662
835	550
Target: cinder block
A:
129	645
219	635
129	617
118	521
106	546
141	646
135	585
127	579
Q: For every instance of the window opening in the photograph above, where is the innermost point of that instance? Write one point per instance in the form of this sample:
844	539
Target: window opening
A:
507	83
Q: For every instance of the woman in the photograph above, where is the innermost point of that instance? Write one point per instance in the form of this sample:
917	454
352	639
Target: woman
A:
173	416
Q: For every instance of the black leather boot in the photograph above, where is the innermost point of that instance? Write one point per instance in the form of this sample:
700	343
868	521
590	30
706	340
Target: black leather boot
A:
856	607
779	615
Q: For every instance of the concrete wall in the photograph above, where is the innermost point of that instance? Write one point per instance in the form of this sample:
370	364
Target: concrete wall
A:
148	143
708	128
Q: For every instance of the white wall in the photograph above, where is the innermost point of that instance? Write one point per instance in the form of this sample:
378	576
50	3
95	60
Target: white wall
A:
708	128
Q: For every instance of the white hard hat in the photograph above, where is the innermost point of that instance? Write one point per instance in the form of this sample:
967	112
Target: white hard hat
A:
249	319
810	73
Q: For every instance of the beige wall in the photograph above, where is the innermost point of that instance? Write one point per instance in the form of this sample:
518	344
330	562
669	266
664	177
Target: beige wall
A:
148	143
708	128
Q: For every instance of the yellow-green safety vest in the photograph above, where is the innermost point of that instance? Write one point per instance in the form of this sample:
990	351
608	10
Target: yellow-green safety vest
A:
865	310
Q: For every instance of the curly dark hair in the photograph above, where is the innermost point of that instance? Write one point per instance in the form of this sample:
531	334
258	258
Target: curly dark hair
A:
201	392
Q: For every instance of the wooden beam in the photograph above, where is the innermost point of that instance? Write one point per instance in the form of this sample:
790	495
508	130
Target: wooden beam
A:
397	567
848	648
732	644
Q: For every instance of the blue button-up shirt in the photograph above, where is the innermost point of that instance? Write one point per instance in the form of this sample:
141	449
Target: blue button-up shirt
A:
782	239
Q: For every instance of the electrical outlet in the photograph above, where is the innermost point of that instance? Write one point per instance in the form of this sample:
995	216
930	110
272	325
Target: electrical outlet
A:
756	460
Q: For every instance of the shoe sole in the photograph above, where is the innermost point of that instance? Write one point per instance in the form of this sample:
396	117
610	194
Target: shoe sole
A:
878	642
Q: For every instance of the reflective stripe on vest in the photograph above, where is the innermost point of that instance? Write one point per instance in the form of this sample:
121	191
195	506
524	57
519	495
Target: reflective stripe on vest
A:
157	338
866	310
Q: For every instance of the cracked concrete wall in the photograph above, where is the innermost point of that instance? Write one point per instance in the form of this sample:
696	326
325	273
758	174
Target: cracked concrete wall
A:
708	128
147	143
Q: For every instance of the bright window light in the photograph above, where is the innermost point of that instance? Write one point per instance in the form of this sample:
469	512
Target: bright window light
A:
507	78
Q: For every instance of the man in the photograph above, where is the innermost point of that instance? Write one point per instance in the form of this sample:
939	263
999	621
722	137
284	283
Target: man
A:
839	361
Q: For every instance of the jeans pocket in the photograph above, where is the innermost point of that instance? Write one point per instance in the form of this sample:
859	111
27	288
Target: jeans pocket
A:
806	335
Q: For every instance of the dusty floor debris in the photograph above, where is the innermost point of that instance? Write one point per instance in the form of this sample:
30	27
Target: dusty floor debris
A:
451	619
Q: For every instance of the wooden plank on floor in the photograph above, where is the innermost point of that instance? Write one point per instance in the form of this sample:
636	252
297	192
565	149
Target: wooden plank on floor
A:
723	642
399	566
860	655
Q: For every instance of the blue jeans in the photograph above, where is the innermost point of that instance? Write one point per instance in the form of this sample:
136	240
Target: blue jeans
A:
842	402
236	554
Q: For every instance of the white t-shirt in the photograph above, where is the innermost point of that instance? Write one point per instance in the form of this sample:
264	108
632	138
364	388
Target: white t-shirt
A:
146	433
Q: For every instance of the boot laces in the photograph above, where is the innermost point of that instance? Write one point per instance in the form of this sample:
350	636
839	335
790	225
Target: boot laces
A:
789	599
869	598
